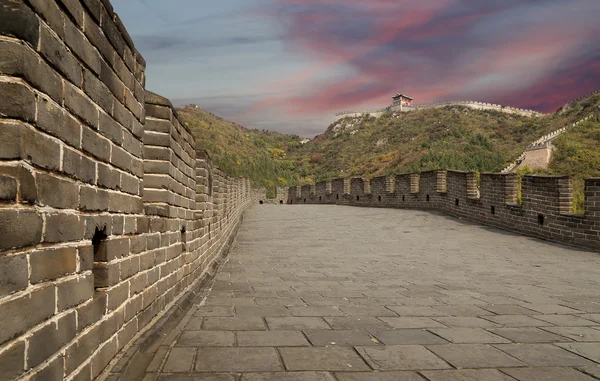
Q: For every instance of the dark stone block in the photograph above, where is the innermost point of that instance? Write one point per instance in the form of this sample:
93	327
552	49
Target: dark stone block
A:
63	228
56	192
52	263
48	340
8	188
18	20
19	315
17	101
13	274
12	360
19	228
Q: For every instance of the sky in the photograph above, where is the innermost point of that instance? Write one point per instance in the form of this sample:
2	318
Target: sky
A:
290	65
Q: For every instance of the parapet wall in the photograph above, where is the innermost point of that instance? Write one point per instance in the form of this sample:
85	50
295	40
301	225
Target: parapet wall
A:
109	211
545	211
471	104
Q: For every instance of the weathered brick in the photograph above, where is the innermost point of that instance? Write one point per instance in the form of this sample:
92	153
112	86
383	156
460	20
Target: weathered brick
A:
18	101
18	20
98	39
92	311
112	249
91	199
80	350
20	314
51	13
95	145
49	339
127	333
8	188
112	81
103	357
58	54
75	291
75	9
132	145
86	257
75	39
52	371
56	192
106	274
94	8
130	184
121	159
117	295
111	129
79	166
40	149
52	263
81	106
63	227
19	228
124	117
108	177
112	33
12	359
55	121
14	274
130	267
11	136
98	92
124	203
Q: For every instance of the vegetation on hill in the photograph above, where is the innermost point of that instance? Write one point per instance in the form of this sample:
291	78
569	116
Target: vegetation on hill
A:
453	137
258	155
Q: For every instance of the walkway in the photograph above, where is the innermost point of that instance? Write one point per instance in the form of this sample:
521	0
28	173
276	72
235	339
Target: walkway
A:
324	293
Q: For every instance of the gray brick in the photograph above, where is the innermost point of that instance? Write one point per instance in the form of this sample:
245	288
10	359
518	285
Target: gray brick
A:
20	314
51	13
58	54
98	92
92	311
86	257
18	101
8	188
94	200
62	227
75	292
78	166
75	39
13	274
99	40
40	150
19	228
56	192
130	184
94	8
52	263
18	20
51	372
49	339
111	129
75	9
55	121
121	159
117	296
132	144
81	106
95	145
112	249
12	360
108	177
106	274
11	136
112	81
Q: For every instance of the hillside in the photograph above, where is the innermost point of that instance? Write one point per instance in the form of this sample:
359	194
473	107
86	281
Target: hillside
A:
453	137
258	155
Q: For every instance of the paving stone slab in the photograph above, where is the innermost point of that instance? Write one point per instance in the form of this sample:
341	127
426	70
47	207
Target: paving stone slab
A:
547	374
368	311
588	350
468	335
415	311
303	311
551	309
271	339
195	377
206	339
411	322
474	356
576	333
214	311
527	335
518	321
592	370
180	360
238	360
543	355
356	323
288	376
466	322
466	375
462	310
323	358
507	309
401	357
379	376
233	324
407	337
260	311
566	320
321	338
296	323
230	302
285	301
584	307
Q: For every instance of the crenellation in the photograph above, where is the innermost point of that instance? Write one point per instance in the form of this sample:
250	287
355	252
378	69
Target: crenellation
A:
545	211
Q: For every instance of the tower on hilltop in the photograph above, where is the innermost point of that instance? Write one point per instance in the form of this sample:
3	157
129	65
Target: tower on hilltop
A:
401	100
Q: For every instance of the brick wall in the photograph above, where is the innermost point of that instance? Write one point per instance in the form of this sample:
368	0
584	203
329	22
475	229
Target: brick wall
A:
108	209
545	211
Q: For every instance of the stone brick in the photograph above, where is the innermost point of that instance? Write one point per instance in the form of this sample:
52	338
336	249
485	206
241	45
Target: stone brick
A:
108	177
22	313
75	291
14	274
94	33
19	228
51	13
117	296
52	263
112	249
8	188
121	159
63	227
127	333
12	359
94	8
91	311
91	199
98	92
86	257
129	267
58	54
132	144
111	129
40	149
130	184
75	39
56	192
75	9
18	101
81	106
51	372
78	166
11	136
49	339
96	145
18	20
56	122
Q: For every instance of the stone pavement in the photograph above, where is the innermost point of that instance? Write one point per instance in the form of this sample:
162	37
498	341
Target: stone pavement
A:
324	293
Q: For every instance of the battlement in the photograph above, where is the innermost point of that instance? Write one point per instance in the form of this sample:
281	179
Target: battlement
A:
110	212
545	211
470	104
